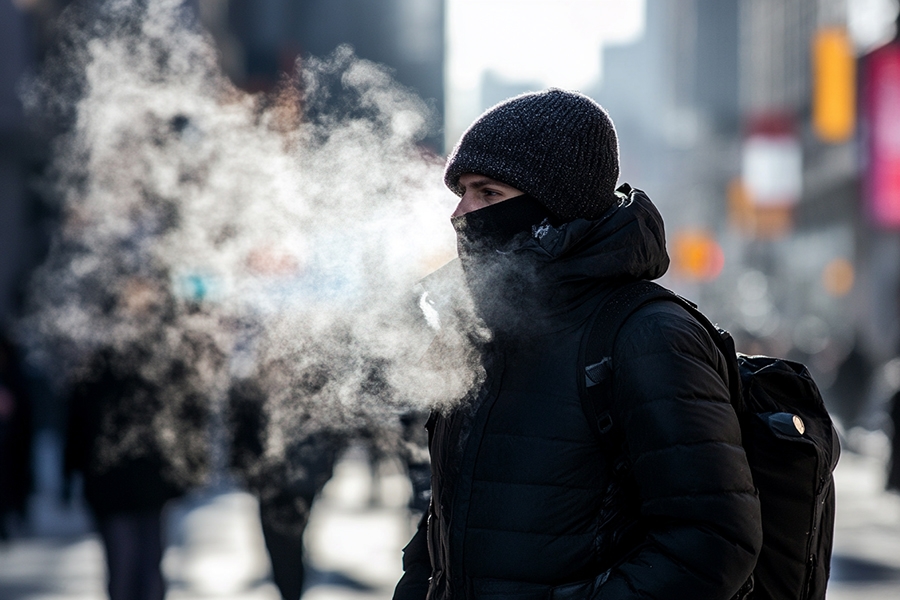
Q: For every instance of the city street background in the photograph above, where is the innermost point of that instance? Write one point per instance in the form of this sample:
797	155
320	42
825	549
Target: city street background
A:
168	185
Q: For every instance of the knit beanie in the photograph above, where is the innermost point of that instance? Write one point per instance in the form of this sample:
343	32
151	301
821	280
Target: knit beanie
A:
558	146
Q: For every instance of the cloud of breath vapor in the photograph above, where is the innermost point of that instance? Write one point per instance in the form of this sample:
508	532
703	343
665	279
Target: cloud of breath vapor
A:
276	237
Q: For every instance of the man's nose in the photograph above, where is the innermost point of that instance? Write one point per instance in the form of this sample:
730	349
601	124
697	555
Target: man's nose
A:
466	205
461	208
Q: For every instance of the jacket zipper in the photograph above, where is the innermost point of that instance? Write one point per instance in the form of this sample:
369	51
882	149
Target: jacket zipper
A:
811	561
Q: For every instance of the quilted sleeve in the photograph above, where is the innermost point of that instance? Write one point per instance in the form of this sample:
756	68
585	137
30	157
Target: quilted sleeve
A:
697	498
416	566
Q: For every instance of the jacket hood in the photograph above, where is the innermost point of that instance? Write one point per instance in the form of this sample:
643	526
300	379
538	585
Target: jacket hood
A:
627	242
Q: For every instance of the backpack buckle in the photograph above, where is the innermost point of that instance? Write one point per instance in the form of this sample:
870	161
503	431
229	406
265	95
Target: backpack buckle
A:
595	374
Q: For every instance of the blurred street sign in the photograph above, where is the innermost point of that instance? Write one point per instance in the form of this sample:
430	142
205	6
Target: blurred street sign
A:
772	161
834	85
882	116
757	220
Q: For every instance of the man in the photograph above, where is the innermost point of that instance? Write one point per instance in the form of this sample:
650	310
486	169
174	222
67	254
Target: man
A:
526	503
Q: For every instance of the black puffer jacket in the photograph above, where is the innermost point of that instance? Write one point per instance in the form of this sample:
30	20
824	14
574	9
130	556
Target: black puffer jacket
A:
525	502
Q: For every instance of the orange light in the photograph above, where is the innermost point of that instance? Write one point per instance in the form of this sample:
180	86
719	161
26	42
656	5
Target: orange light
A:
838	277
834	85
760	222
740	207
697	256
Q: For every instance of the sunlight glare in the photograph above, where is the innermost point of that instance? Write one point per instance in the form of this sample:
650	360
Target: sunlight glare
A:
558	43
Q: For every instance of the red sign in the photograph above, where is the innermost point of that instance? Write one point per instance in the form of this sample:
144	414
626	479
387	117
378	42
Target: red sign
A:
882	109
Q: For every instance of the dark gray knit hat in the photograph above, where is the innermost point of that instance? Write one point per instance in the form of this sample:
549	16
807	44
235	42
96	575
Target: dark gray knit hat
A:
558	146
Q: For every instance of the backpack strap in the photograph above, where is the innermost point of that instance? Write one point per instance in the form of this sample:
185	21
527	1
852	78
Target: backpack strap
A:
600	338
597	348
725	343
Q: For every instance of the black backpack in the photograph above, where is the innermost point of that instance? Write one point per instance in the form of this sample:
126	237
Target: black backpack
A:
791	445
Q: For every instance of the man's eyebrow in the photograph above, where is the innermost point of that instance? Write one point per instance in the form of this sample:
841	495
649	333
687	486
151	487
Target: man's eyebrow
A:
483	182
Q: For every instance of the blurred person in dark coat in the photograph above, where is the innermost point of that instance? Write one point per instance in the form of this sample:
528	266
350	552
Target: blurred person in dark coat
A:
893	475
15	437
110	441
286	481
138	433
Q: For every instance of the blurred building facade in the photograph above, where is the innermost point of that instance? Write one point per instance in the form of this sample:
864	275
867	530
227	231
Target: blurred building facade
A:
21	154
743	120
261	40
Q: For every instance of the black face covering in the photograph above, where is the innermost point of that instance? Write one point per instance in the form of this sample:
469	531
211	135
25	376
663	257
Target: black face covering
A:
499	281
493	227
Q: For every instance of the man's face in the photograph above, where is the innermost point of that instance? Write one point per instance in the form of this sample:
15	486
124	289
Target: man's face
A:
480	191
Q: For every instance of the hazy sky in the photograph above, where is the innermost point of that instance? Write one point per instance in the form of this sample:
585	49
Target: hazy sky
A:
557	43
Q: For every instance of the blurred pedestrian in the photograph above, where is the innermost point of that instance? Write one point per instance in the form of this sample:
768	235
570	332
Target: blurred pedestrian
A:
16	432
113	440
414	456
852	380
285	480
527	501
893	475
